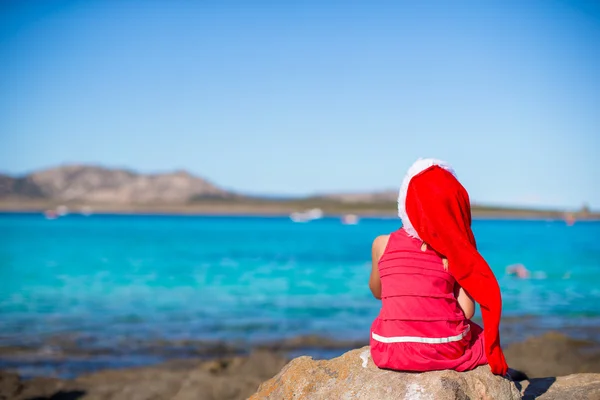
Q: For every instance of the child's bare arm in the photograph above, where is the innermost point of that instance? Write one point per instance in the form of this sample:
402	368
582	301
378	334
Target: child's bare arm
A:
465	301
377	250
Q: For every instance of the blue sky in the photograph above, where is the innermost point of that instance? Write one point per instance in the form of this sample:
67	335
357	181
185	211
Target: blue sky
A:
313	96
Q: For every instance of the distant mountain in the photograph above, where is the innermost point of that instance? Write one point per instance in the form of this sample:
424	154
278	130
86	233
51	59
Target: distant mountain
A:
110	190
22	187
92	184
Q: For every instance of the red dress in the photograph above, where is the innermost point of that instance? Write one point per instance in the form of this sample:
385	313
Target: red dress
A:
421	326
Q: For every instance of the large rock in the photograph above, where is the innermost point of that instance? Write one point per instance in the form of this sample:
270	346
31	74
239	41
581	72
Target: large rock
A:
345	377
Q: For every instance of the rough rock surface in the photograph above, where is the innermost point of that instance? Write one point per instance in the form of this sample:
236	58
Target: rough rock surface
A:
225	379
346	378
237	377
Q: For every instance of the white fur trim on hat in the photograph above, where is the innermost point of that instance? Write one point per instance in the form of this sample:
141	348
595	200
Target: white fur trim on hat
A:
419	166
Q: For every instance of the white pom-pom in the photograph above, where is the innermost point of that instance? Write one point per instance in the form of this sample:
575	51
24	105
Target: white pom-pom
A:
418	166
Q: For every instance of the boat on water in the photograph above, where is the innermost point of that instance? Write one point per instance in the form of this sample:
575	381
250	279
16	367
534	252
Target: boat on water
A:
62	210
350	219
59	211
306	216
50	214
570	219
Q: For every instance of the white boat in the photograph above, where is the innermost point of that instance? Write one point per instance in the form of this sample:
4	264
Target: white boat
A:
349	219
62	210
306	216
50	214
570	219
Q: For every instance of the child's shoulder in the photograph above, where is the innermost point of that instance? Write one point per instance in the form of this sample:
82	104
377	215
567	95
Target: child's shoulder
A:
382	240
400	240
380	243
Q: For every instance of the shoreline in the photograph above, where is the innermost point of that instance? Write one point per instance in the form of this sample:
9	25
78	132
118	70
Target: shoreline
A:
234	376
278	211
70	354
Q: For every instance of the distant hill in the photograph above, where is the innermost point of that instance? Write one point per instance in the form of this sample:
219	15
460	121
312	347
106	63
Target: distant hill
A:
80	183
121	190
19	187
99	185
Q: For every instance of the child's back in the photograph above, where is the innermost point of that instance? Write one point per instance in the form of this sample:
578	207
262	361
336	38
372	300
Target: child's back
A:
421	326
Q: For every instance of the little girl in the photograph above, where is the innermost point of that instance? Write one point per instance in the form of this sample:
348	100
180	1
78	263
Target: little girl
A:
425	274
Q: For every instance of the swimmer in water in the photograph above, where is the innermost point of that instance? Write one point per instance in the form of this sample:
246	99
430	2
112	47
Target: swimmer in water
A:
518	271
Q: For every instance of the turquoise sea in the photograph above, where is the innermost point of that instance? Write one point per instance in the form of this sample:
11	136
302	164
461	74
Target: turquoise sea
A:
251	279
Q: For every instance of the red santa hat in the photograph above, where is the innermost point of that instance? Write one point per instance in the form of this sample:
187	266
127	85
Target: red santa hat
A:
435	208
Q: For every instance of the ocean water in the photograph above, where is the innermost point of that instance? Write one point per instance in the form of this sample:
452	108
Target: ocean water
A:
251	279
